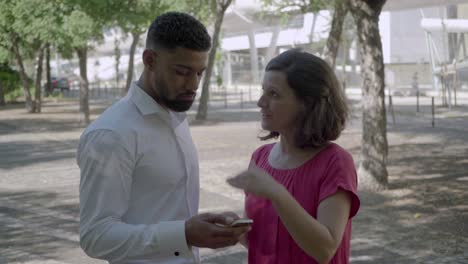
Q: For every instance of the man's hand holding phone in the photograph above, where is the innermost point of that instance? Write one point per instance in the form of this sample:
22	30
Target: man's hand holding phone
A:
215	230
241	222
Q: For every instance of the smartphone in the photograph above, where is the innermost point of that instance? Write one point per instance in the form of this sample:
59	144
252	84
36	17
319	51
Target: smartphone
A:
241	222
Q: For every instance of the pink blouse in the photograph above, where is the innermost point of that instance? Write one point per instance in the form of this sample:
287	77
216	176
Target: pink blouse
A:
312	182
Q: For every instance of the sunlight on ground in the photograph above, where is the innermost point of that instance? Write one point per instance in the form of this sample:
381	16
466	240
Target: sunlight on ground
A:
361	258
424	177
398	193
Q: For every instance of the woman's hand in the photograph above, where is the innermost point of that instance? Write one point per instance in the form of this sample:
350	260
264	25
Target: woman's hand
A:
256	181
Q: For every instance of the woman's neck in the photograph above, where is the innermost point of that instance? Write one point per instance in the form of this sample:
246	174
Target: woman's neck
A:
288	146
286	155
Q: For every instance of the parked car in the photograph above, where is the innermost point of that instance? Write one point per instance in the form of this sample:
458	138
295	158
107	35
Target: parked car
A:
58	84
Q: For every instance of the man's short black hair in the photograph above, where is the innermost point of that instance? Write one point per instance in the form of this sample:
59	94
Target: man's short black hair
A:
174	29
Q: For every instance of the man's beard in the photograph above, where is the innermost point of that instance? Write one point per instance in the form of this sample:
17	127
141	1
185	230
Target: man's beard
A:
177	105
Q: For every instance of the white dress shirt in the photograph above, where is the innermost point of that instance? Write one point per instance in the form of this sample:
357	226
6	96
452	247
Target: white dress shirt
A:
139	183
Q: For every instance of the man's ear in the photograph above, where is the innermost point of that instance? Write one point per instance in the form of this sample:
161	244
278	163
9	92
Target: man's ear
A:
149	59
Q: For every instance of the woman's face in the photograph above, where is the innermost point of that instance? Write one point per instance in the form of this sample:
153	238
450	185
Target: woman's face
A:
278	104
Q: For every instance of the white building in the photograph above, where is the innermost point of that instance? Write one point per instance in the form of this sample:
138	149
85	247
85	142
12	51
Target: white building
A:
250	39
404	41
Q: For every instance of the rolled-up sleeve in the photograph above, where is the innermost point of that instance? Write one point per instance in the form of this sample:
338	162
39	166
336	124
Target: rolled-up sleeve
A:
106	166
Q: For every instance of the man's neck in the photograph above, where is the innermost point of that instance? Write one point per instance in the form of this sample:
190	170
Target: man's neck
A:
145	86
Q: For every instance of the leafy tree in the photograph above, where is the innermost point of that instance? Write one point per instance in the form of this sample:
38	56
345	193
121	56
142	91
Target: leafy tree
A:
218	7
26	28
11	41
339	13
84	24
374	148
37	23
81	28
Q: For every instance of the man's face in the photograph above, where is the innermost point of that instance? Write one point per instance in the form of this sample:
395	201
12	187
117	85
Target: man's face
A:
175	77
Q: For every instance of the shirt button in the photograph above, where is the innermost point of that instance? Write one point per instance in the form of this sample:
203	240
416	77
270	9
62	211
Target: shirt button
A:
177	253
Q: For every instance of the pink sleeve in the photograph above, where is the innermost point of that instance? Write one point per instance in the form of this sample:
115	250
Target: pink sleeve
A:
341	173
260	154
255	156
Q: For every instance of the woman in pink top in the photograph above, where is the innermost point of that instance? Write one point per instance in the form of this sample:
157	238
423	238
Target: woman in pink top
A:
301	192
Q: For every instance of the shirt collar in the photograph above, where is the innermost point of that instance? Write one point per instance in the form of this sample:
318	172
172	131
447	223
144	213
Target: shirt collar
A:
148	106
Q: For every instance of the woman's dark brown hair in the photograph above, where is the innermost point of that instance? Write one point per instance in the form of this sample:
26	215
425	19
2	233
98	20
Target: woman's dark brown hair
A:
314	83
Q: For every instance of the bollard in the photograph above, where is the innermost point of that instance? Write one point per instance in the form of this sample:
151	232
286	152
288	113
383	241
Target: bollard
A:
417	101
390	103
242	99
225	99
433	118
416	88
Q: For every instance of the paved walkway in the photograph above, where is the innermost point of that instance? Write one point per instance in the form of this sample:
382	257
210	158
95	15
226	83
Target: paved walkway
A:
422	218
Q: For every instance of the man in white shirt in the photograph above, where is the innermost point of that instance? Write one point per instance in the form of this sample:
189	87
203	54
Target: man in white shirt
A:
139	187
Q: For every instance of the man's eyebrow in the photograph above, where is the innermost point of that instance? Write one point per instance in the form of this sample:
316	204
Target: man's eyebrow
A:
270	87
183	66
188	67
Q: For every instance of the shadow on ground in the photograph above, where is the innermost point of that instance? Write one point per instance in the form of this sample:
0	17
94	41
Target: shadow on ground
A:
23	153
424	214
36	225
422	218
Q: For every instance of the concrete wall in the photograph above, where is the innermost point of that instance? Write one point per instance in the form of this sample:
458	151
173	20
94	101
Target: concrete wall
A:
400	75
408	41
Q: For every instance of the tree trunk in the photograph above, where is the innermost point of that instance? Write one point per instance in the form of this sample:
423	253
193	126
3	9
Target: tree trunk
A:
253	57
84	88
312	28
271	51
2	94
452	13
136	37
372	171
24	77
333	41
49	79
273	44
117	54
203	106
343	65
37	96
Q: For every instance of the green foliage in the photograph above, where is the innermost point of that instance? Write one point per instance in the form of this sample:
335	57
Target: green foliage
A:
294	6
29	25
219	80
80	28
135	16
10	79
4	55
13	96
56	94
11	82
35	20
203	10
32	22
